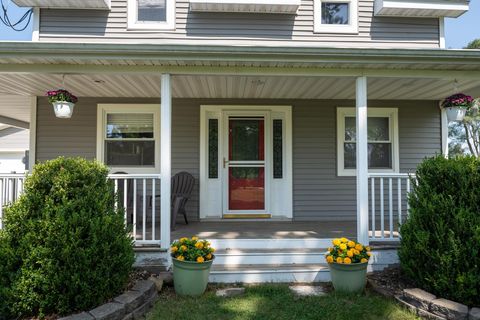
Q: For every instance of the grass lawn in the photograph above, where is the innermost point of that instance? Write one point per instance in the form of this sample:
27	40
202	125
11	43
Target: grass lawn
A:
275	302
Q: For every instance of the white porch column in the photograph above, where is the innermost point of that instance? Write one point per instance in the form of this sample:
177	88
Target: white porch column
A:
444	120
362	160
165	158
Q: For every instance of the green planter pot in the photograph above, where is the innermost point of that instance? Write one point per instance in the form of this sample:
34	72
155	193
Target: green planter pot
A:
190	278
350	278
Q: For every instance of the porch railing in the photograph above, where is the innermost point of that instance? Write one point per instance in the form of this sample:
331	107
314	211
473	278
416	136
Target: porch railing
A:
388	200
11	187
138	195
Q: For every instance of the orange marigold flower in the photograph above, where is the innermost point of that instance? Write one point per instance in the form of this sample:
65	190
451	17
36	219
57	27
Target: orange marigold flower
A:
347	260
174	249
351	244
369	254
356	251
339	260
363	260
329	259
359	247
200	260
181	258
209	256
350	253
183	248
199	245
343	246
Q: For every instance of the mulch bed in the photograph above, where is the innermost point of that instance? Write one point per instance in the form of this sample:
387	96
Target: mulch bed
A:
389	282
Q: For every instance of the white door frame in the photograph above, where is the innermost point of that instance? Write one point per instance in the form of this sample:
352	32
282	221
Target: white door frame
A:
280	194
267	159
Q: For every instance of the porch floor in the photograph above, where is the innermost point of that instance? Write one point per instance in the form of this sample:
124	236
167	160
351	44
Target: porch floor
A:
266	229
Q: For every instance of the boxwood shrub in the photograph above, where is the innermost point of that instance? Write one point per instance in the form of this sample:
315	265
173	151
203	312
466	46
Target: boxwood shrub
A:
440	245
64	247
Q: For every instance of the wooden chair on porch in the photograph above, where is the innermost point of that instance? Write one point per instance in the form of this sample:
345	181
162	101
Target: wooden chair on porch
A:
181	190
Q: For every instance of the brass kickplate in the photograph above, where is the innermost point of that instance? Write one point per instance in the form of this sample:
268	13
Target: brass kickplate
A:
247	216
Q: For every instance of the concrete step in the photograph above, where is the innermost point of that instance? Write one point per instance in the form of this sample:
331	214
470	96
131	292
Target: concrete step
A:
269	256
256	273
280	244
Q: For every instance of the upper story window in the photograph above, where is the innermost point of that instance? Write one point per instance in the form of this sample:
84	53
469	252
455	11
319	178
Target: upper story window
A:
383	154
151	14
336	16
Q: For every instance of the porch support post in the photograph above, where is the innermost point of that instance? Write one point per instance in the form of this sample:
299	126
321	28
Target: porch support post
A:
165	158
444	120
362	160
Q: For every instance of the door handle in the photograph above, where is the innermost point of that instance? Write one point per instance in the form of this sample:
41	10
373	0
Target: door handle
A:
225	161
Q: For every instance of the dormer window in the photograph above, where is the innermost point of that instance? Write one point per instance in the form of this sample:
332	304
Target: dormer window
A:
336	16
151	14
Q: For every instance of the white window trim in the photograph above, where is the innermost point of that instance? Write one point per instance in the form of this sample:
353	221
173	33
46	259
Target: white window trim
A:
132	23
392	113
319	27
103	109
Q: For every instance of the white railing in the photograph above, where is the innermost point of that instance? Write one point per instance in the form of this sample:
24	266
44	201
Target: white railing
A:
388	199
11	187
138	195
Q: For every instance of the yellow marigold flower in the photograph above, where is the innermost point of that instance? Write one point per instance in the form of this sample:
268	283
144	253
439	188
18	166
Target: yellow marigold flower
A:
356	251
199	245
368	248
182	240
330	249
195	238
347	261
369	254
359	247
200	260
329	259
350	253
363	260
183	248
174	249
209	256
181	258
343	246
339	260
336	242
344	240
351	244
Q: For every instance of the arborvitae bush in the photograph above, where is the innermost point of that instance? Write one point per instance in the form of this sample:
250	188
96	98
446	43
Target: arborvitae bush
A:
64	246
440	246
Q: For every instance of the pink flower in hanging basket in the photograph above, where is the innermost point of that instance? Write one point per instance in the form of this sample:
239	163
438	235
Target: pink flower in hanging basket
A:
458	100
61	95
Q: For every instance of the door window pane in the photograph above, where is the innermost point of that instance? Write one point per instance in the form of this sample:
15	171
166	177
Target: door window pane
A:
277	149
335	13
246	140
246	188
129	125
129	153
151	10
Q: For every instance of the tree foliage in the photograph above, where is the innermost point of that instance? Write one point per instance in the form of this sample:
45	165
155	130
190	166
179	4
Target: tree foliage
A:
474	44
64	247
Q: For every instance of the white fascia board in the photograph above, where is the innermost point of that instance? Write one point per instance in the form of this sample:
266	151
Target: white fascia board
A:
65	4
421	8
258	6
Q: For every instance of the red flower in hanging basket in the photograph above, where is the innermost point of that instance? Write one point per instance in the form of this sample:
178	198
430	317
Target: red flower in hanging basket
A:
61	95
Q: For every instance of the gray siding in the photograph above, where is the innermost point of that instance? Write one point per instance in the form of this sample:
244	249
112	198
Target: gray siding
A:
238	28
318	194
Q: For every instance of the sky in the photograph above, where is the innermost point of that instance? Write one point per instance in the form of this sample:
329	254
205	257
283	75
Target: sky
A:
458	32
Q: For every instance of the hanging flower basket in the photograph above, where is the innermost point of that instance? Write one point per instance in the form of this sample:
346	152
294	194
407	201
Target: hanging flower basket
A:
63	103
456	106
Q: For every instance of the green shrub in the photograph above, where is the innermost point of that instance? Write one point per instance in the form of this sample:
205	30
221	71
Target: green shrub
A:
440	246
64	247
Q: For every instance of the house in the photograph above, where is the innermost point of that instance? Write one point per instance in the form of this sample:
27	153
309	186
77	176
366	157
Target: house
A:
301	120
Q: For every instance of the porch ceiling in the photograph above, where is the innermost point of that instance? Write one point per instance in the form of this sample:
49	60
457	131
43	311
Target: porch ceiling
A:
15	107
222	86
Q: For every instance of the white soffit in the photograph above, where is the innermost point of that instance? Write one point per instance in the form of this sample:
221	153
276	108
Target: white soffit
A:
254	6
65	4
421	8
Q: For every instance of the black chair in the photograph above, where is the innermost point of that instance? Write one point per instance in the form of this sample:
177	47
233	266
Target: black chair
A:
181	190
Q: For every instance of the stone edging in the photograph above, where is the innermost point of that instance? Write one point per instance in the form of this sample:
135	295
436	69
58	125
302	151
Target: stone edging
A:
428	306
132	304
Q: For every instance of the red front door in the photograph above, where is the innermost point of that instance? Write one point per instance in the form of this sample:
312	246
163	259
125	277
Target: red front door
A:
246	164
